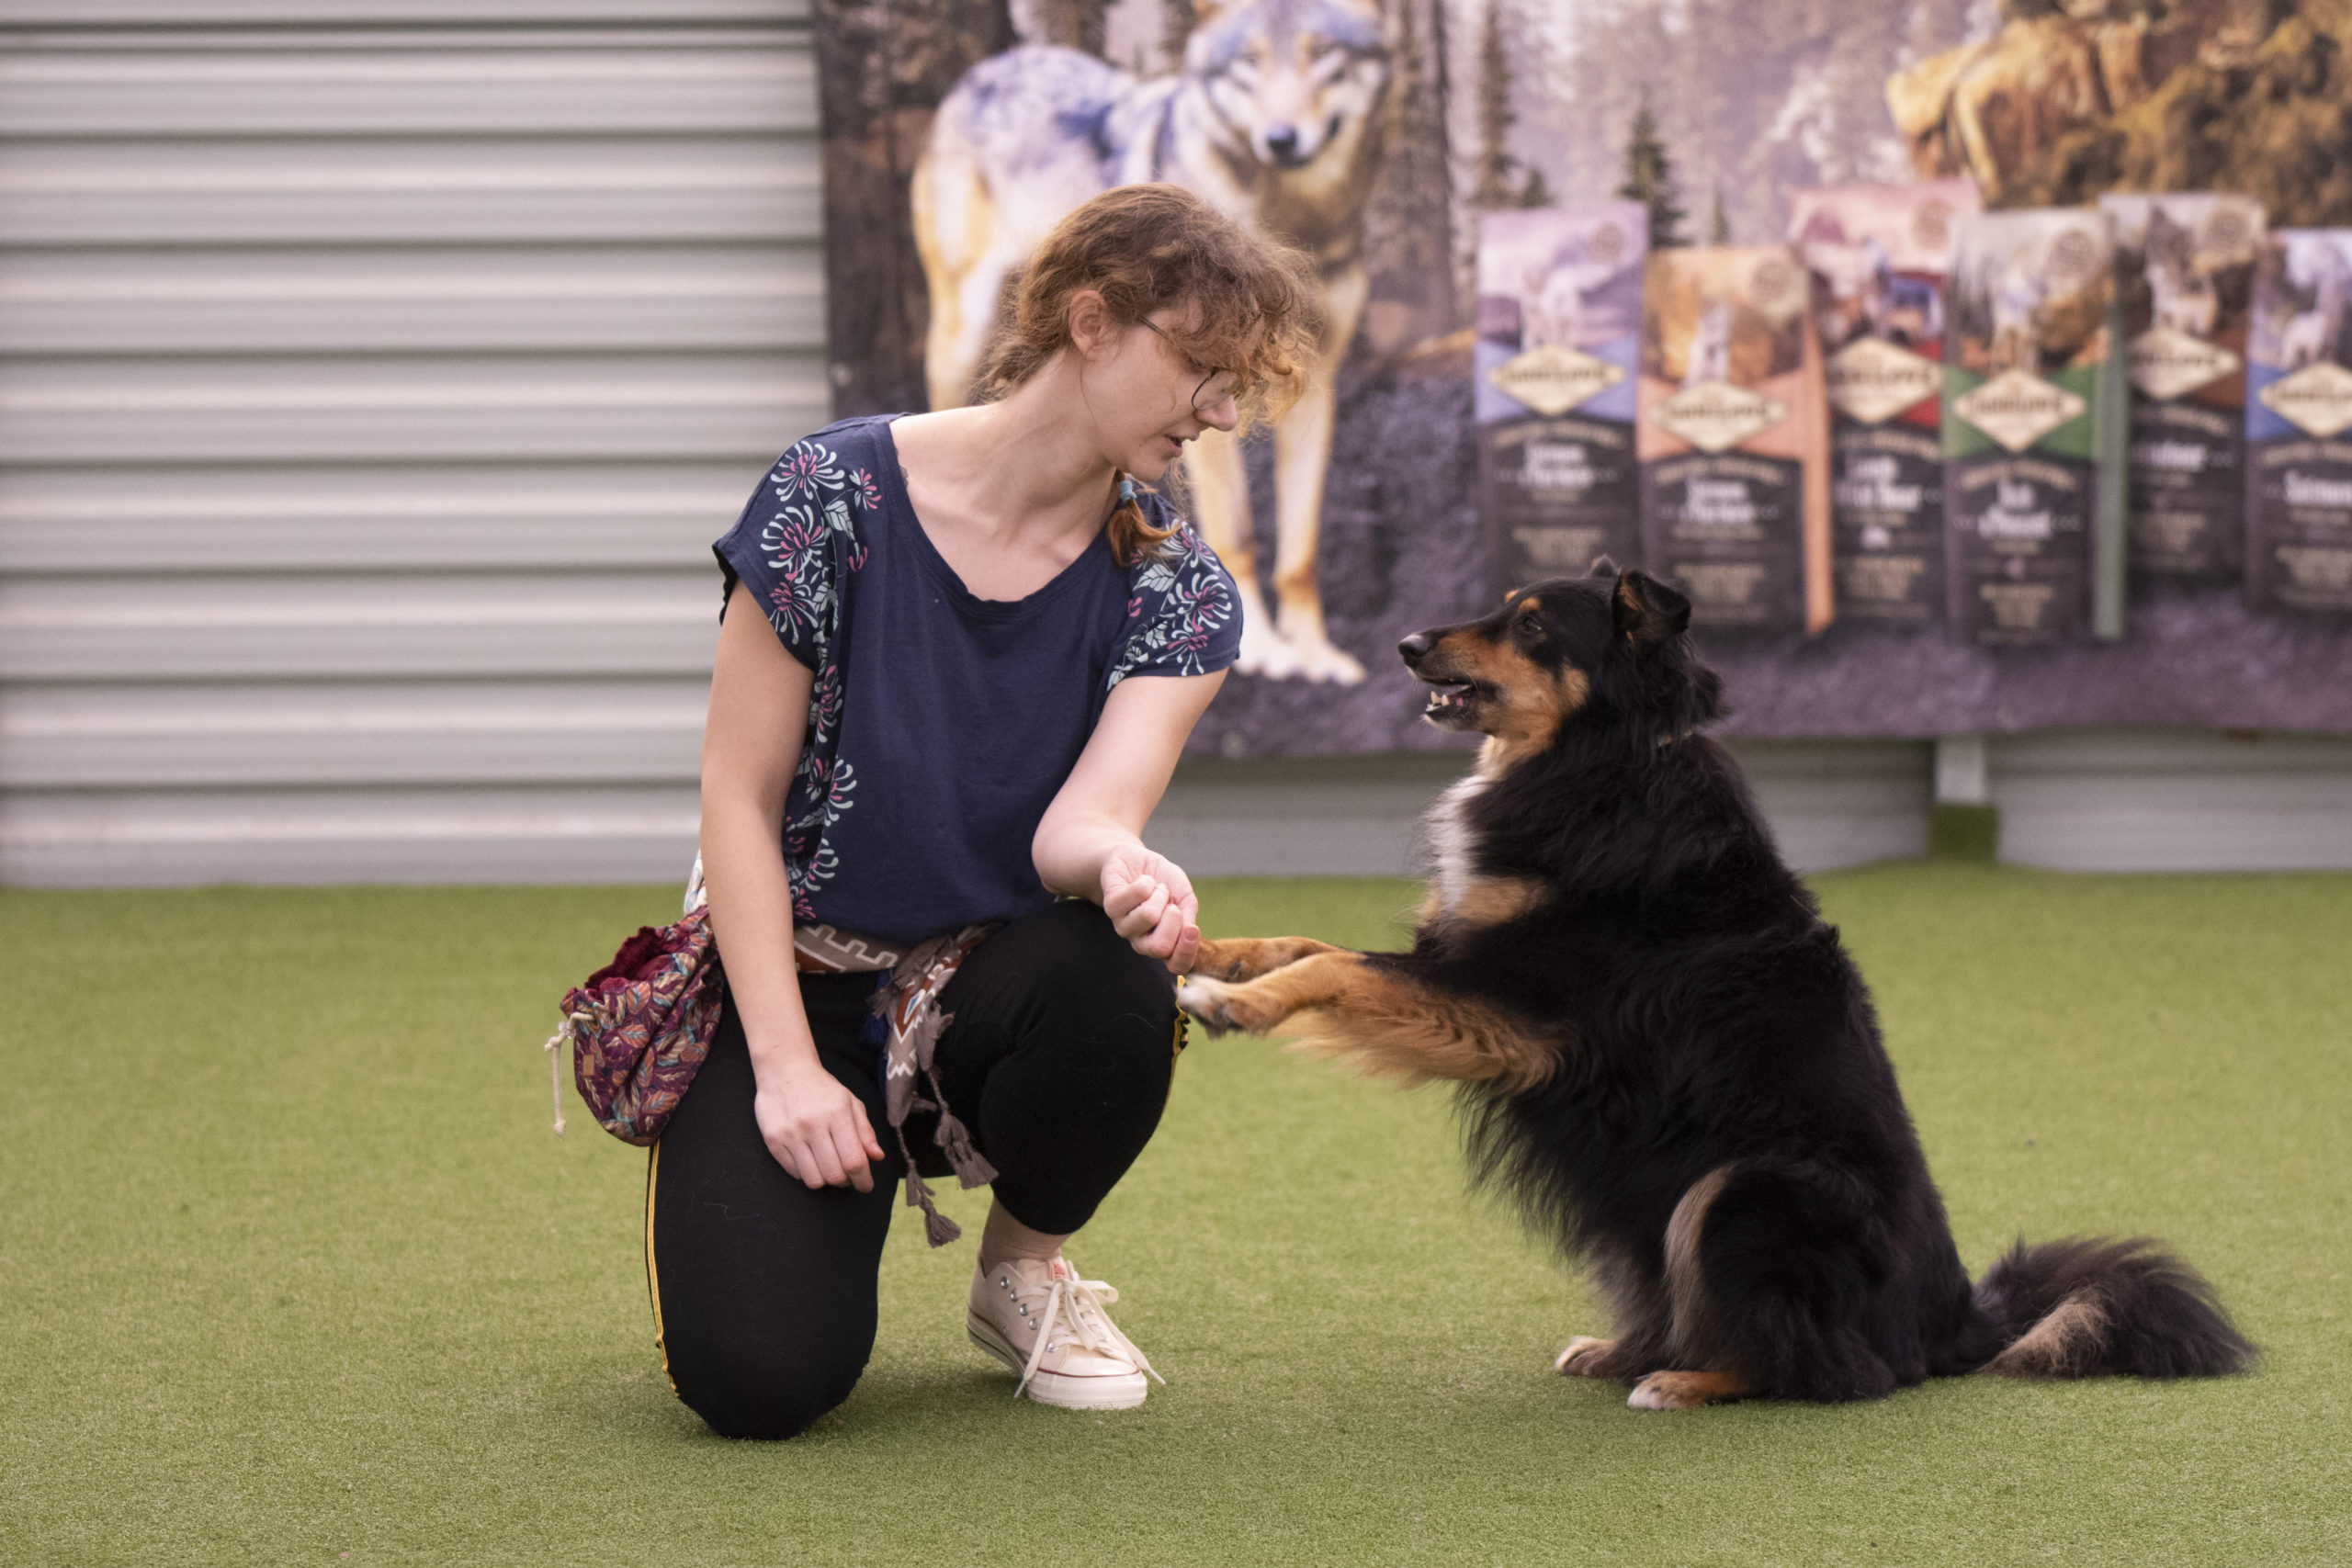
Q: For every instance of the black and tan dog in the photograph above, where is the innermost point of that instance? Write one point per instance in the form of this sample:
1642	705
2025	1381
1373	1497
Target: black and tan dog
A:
1669	1059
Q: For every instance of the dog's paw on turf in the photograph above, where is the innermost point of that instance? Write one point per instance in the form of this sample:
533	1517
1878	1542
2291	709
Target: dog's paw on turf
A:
1583	1356
1681	1391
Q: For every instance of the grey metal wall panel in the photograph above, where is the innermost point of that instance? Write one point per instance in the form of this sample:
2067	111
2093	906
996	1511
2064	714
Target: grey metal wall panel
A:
368	399
658	84
184	836
466	191
442	410
359	517
330	733
634	299
204	14
286	626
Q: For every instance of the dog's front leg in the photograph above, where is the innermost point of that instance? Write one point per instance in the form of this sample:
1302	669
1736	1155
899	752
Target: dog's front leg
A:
1246	958
1370	1009
1302	458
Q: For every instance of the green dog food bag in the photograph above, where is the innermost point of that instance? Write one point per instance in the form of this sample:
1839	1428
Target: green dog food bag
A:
2032	429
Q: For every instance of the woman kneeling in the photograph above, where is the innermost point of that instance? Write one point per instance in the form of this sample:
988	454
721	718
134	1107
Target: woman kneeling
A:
962	653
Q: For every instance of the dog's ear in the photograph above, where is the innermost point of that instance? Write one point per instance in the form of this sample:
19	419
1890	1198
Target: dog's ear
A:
1602	567
1646	611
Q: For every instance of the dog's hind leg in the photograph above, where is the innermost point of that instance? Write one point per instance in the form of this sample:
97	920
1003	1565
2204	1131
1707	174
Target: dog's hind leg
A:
1302	459
1767	1279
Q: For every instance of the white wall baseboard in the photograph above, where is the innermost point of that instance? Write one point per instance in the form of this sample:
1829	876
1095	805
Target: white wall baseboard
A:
2088	800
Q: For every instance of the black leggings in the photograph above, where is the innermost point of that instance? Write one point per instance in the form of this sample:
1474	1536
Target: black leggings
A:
1058	1059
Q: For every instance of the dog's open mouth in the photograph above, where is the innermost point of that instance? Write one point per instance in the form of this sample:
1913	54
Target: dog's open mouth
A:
1451	702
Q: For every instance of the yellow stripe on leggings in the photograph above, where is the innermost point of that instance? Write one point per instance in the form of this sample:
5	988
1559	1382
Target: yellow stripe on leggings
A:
652	1275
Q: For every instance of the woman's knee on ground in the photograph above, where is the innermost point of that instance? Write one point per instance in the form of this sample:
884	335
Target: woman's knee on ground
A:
765	1391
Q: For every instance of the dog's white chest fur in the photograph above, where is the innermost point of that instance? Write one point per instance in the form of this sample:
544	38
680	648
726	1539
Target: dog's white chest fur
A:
1451	843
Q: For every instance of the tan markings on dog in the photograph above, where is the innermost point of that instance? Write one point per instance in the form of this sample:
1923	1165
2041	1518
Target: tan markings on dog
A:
1491	900
1247	957
1432	906
2066	1340
1686	1283
1529	704
1585	1357
1686	1391
1380	1022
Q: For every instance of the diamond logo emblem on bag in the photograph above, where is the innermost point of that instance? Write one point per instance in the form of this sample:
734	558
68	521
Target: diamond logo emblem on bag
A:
1715	416
2318	399
1552	379
2018	410
1870	379
2167	363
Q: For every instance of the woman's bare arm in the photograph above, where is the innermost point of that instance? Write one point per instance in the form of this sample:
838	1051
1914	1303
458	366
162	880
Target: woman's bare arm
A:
1090	842
759	714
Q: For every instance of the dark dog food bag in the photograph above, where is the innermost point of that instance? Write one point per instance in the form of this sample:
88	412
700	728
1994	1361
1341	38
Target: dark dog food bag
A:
1734	438
1877	254
2027	341
1559	328
2299	424
2184	277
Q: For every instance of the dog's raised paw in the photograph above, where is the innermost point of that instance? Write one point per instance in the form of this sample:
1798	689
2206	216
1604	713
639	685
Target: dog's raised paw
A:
1584	1353
1205	1000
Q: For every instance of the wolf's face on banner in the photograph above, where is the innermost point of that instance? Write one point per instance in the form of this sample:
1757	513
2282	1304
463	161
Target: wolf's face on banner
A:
1276	119
1295	78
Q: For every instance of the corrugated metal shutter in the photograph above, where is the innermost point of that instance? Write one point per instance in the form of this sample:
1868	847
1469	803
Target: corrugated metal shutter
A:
373	378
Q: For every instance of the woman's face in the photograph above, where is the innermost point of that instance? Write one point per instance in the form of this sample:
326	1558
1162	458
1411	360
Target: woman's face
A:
1149	398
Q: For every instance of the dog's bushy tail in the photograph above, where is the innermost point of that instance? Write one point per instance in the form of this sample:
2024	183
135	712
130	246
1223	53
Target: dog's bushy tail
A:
2088	1307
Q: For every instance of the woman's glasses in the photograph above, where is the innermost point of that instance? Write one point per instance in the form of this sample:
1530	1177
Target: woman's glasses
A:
1215	388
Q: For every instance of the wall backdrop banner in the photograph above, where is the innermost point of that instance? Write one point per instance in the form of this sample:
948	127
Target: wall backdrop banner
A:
1709	329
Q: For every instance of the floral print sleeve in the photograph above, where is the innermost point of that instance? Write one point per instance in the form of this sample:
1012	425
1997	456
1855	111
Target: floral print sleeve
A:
1182	616
798	543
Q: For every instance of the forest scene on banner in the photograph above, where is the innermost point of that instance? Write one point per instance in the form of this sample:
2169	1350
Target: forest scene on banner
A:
1476	420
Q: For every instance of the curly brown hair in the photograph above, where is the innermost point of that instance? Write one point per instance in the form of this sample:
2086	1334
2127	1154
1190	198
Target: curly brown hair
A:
1143	248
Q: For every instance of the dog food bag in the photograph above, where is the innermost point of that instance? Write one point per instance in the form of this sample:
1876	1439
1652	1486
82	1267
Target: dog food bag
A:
2032	414
1877	253
1559	329
1734	438
2183	279
2299	424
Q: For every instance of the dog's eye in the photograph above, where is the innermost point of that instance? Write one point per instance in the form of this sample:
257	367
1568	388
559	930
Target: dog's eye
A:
1527	628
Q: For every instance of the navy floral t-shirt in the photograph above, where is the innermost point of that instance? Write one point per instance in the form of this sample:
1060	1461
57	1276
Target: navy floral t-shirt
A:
942	725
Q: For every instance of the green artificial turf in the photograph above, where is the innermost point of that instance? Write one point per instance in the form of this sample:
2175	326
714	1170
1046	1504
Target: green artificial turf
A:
293	1272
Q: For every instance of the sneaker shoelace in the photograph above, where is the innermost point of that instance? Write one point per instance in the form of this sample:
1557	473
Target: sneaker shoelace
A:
1074	1310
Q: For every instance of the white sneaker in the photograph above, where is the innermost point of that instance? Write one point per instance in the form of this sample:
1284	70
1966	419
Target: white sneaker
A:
1045	1322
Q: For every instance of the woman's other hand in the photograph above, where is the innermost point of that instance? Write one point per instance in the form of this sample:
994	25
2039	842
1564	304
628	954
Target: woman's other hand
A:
816	1128
1150	902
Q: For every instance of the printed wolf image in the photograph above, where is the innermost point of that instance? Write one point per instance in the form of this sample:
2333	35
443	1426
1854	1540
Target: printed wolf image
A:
1387	137
1277	117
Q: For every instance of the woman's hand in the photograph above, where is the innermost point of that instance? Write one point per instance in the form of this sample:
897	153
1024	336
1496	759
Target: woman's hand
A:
816	1128
1150	902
